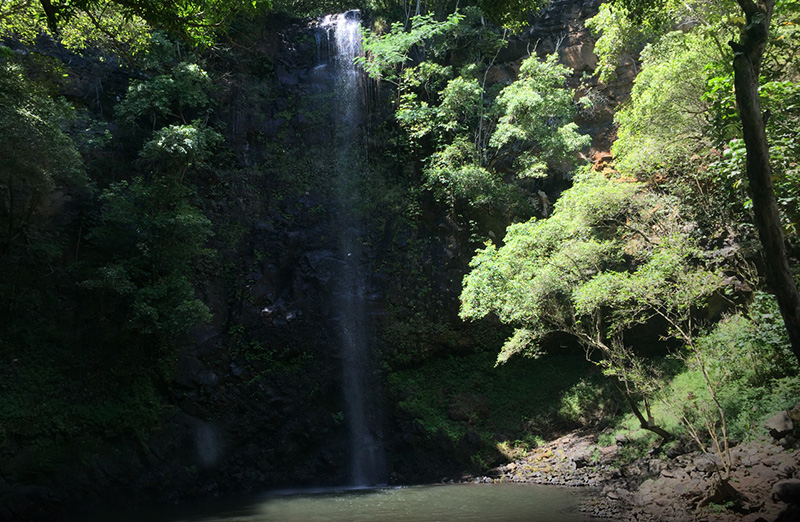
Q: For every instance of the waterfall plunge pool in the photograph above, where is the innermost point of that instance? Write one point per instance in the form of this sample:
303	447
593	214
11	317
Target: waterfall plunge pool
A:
436	503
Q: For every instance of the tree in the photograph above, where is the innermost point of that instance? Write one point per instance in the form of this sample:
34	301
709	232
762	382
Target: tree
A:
154	236
386	55
151	231
665	120
536	116
611	256
180	95
481	137
37	155
748	53
128	22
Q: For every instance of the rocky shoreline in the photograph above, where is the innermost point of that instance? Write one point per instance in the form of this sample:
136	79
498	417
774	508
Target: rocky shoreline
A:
673	486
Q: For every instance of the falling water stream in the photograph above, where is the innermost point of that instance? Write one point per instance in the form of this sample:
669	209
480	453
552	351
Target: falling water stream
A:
367	466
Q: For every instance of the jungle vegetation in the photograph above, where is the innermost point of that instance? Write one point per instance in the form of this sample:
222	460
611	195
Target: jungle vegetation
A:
110	220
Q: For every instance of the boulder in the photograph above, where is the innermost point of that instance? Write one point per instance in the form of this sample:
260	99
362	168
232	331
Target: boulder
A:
582	457
787	491
779	425
794	413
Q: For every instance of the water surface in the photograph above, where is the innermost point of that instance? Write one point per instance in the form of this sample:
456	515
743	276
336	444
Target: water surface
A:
440	503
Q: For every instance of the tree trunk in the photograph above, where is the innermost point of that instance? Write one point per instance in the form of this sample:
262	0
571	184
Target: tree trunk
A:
50	13
645	424
746	65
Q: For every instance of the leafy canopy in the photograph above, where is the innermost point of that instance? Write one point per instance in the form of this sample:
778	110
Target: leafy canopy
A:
386	54
665	119
37	155
537	113
475	132
121	25
612	255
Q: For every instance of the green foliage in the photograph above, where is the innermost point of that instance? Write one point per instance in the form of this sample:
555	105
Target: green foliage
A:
153	238
610	257
177	95
456	394
278	366
178	149
608	244
663	123
674	121
586	402
121	26
747	358
782	99
386	54
150	230
751	371
37	155
536	115
626	26
64	417
473	131
751	349
618	35
512	14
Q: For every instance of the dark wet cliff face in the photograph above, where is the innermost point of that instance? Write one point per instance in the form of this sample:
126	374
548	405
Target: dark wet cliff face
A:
280	108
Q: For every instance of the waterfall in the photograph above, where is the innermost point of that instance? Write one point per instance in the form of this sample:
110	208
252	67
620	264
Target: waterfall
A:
367	467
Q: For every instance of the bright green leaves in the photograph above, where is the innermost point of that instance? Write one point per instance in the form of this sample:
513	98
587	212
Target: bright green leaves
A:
121	26
458	111
125	27
665	119
611	256
385	55
455	173
668	282
624	27
782	99
461	104
180	148
619	38
536	113
473	133
22	18
180	94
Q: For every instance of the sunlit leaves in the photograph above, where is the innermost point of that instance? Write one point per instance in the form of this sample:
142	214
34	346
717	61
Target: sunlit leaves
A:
174	95
180	147
384	54
536	114
611	255
122	26
665	118
454	172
